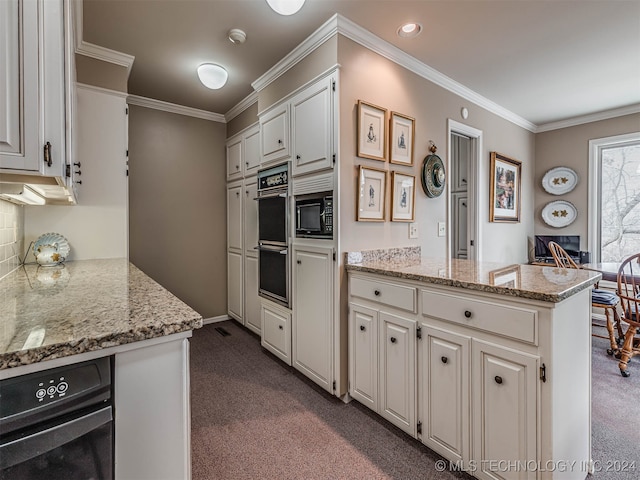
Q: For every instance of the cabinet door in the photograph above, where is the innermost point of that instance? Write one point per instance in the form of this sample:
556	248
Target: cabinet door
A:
250	217
252	151
444	392
504	410
234	158
313	314
234	216
251	298
397	350
276	333
363	355
274	128
234	285
311	128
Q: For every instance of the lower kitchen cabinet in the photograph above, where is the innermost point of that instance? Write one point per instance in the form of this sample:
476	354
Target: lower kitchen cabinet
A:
235	285
363	355
251	299
312	339
444	392
276	330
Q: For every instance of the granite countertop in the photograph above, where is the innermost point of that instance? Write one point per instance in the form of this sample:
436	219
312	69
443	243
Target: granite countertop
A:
547	284
83	306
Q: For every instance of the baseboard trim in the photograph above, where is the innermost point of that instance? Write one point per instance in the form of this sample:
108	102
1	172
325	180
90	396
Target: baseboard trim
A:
219	318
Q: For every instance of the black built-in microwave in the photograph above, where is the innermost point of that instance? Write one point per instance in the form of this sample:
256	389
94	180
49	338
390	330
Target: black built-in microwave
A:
314	215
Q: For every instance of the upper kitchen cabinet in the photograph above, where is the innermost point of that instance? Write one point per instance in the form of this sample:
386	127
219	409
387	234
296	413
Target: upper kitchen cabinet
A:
36	87
311	119
274	128
243	153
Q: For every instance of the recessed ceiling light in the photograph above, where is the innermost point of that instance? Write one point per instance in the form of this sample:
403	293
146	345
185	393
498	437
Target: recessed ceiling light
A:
212	76
409	30
286	7
237	36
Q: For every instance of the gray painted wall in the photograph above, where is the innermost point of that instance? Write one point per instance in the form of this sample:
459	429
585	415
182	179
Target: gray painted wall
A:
177	205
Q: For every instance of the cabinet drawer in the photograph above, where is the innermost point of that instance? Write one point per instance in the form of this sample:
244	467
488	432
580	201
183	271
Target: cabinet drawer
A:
276	334
508	321
392	294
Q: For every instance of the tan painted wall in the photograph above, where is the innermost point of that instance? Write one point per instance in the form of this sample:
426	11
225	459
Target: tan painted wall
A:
101	74
247	118
177	205
365	75
569	147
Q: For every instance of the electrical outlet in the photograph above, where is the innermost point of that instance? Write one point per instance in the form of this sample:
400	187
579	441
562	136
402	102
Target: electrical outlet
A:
442	229
413	230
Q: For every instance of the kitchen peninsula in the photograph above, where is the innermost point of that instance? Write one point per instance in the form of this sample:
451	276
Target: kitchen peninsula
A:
83	310
487	364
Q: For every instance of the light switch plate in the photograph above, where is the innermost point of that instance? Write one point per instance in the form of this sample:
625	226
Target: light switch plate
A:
413	230
442	229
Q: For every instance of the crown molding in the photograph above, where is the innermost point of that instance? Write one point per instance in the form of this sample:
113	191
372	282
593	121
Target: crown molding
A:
96	51
174	108
593	117
107	91
241	106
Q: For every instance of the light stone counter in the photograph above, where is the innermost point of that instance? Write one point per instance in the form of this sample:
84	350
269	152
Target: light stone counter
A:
83	306
547	284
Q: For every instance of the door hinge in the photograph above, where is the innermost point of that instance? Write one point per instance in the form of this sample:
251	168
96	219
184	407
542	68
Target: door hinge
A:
419	429
543	373
334	158
126	111
333	85
471	242
334	385
419	332
334	256
47	154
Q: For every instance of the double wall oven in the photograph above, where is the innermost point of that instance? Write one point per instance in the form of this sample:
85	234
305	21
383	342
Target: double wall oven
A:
273	234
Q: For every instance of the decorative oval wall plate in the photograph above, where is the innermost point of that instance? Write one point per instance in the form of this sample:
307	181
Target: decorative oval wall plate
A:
433	175
51	249
559	180
559	213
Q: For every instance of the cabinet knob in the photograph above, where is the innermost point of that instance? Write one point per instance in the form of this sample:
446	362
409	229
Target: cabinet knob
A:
362	328
298	157
498	379
467	313
237	194
237	167
246	163
279	142
393	339
376	293
299	262
78	181
280	327
444	359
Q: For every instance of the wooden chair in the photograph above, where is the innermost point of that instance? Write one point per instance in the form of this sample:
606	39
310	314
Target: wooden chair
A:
599	299
629	293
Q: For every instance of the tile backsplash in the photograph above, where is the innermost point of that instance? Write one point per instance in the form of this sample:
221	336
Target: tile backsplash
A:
11	236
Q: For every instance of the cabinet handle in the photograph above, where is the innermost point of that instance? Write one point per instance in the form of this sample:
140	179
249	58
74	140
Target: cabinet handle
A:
47	154
498	379
464	180
279	142
376	293
444	359
299	262
237	167
247	192
280	327
467	313
298	157
78	181
464	204
237	194
246	163
393	339
362	328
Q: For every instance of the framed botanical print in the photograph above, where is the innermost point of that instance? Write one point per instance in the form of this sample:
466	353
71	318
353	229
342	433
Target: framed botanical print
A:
401	132
372	135
505	189
403	194
371	194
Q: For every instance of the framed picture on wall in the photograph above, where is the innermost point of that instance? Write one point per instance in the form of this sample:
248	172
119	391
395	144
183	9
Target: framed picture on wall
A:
401	132
372	135
505	189
403	194
371	193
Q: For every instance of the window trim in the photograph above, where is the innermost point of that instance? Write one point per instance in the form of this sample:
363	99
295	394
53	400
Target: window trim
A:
595	172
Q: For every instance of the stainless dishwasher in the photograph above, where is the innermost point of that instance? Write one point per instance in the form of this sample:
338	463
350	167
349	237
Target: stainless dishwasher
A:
58	423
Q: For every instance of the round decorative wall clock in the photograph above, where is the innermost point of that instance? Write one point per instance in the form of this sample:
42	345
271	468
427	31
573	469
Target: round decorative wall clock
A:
433	174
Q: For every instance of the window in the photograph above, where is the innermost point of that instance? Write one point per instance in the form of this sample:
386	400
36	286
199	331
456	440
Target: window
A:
614	197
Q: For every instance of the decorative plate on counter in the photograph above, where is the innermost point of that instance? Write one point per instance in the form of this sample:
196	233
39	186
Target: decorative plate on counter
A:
559	213
51	249
559	276
559	180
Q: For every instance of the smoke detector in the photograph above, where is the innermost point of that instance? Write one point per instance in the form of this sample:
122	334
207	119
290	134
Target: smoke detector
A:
237	36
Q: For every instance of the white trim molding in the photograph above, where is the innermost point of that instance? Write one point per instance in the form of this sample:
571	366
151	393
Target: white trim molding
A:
241	106
594	117
174	108
107	91
219	318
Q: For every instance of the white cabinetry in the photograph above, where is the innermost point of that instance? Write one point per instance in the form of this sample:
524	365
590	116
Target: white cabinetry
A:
363	355
243	153
250	222
274	133
234	216
234	158
276	330
36	86
313	274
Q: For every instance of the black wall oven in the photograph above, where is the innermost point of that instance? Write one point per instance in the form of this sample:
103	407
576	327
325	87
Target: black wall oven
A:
273	234
58	423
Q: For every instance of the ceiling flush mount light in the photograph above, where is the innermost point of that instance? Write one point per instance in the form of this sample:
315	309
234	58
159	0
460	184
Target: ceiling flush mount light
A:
286	7
237	36
409	30
212	76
